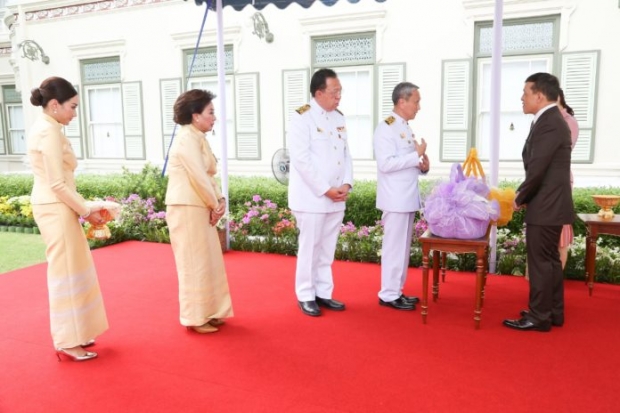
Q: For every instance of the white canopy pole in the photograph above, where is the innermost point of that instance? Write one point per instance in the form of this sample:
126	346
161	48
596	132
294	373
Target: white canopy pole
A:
496	94
221	77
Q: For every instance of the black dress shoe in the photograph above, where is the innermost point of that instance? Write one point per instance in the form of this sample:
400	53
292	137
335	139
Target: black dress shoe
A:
330	304
525	324
554	322
410	298
399	304
309	308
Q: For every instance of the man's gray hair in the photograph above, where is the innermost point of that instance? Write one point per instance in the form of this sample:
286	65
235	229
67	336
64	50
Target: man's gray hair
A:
403	90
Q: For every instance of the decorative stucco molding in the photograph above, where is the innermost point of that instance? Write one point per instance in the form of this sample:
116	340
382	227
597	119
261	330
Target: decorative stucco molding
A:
90	7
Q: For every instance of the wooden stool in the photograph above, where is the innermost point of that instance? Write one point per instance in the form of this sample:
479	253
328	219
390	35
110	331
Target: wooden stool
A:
439	245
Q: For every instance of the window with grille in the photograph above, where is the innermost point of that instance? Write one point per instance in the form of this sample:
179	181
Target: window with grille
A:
112	111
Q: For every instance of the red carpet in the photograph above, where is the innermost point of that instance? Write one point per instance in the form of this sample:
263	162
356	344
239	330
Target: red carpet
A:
271	358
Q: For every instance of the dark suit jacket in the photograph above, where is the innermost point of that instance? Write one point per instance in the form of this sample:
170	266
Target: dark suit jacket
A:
546	159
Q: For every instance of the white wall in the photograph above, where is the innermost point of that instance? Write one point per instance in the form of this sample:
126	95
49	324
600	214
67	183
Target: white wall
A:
420	33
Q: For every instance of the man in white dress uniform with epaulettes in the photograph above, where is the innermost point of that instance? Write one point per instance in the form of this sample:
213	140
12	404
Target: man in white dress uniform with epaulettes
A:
321	176
400	161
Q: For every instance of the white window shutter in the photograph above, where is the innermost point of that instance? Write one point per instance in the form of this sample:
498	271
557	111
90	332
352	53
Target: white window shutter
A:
169	91
579	82
73	132
132	120
388	77
296	89
583	147
2	126
247	116
456	81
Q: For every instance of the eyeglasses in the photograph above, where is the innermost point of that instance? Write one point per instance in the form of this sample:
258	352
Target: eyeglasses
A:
333	92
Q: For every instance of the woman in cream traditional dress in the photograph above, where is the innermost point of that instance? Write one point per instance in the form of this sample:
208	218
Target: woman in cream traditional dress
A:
194	205
77	314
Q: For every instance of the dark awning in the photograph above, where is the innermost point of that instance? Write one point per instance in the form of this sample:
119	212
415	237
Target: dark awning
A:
260	4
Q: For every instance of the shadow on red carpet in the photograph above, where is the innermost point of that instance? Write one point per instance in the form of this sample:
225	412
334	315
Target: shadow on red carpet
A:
272	358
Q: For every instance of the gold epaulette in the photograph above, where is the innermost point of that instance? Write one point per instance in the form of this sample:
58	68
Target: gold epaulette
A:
340	112
302	109
390	119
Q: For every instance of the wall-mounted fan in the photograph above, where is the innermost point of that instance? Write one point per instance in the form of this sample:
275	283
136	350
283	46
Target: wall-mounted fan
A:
280	165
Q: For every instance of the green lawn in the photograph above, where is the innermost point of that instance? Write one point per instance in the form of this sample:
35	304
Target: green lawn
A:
20	250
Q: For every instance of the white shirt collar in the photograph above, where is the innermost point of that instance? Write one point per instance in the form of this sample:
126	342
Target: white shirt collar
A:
543	110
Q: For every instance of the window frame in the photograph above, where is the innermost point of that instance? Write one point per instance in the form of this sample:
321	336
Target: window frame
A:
88	121
554	52
371	63
11	98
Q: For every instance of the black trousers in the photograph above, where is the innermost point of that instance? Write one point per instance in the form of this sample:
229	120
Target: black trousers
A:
545	272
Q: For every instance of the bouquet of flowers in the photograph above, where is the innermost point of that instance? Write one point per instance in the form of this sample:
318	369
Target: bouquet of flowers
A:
108	210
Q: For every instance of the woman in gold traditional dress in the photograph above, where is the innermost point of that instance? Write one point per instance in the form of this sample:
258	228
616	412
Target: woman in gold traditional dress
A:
77	314
194	205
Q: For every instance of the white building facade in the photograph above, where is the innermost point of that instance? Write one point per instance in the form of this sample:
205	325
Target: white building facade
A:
130	59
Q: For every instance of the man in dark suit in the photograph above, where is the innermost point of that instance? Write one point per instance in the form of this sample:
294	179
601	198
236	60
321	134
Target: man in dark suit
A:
546	194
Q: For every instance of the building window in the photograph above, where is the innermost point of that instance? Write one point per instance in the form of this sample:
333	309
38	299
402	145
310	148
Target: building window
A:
353	58
528	47
14	115
357	105
113	111
104	117
344	50
519	37
103	107
211	84
204	76
205	62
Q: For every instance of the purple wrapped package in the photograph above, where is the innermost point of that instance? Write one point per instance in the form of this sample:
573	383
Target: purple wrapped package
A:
460	208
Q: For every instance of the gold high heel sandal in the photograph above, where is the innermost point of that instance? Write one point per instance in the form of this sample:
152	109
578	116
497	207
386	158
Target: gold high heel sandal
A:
86	356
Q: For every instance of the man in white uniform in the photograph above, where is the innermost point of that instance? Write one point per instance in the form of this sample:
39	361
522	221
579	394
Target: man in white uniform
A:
321	176
400	160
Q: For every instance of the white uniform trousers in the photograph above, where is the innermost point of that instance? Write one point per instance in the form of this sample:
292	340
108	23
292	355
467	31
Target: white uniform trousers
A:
318	234
395	253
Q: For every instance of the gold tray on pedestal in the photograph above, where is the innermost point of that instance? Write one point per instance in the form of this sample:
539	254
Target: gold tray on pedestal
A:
606	202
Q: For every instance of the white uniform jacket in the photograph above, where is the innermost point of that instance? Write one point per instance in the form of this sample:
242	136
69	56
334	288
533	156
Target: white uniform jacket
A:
320	158
397	166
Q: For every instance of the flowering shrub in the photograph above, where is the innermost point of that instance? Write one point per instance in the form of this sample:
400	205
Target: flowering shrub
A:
364	243
16	211
360	243
511	253
607	267
263	218
420	228
263	227
137	220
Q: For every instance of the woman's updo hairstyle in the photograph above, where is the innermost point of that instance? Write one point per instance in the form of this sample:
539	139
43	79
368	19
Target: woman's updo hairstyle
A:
52	88
190	102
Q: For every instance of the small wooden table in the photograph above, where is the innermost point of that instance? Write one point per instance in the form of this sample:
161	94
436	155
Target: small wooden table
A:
595	226
437	244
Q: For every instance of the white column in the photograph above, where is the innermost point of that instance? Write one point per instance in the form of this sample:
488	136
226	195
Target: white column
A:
496	78
221	75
